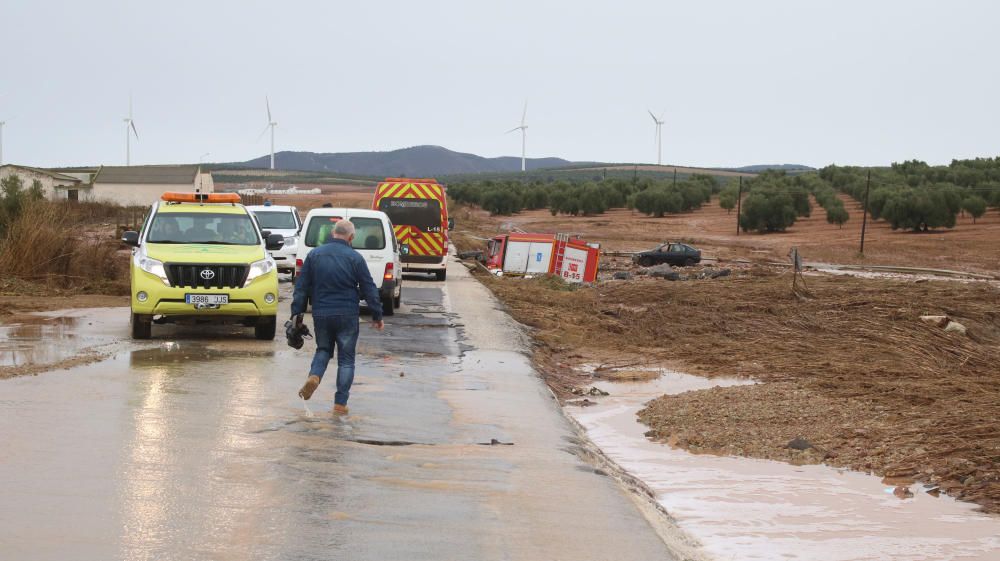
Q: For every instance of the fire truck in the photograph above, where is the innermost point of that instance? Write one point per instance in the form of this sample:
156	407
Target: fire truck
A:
418	209
568	257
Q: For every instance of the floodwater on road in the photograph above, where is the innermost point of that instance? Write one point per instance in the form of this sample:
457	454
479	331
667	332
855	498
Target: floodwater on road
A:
760	510
50	337
194	445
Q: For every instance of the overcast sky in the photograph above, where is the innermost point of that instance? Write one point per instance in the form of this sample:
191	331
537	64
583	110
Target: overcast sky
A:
740	82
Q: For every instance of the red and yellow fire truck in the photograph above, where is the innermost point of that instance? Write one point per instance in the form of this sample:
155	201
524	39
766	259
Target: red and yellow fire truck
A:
418	209
568	257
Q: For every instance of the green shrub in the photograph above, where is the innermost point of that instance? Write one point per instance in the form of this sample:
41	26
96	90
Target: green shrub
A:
975	206
837	214
768	210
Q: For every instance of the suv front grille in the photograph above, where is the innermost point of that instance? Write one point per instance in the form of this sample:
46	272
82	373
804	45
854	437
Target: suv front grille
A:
219	276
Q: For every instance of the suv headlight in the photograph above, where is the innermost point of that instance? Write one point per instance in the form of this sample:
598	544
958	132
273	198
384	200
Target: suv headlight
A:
259	269
153	267
289	242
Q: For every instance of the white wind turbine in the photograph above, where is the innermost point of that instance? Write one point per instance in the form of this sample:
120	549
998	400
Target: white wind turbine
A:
524	132
659	136
129	124
271	123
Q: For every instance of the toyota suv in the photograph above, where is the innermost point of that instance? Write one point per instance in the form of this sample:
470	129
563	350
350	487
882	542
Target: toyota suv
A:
202	258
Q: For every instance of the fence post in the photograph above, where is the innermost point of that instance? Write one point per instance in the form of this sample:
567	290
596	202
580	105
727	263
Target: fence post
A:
739	201
864	216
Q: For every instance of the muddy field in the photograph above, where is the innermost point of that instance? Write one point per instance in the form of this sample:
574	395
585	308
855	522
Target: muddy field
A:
968	246
853	372
345	195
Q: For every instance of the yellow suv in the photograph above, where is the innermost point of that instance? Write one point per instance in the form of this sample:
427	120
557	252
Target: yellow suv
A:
202	258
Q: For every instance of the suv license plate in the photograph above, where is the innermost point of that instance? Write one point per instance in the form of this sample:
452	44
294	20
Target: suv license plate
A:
211	299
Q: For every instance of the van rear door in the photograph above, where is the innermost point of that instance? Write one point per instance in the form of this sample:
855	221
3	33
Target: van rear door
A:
372	242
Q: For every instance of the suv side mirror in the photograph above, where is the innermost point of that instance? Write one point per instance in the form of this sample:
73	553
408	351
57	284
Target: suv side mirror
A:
131	238
274	242
451	223
404	249
265	233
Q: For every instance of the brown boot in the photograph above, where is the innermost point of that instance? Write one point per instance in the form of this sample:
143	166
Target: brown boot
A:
339	409
309	387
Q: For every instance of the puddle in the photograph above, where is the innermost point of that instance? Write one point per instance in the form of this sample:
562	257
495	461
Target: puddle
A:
181	353
749	509
39	339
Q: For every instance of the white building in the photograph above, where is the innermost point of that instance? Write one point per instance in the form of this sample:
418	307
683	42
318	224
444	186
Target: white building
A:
143	185
55	185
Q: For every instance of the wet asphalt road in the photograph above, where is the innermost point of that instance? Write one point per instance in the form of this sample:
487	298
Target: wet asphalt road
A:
195	446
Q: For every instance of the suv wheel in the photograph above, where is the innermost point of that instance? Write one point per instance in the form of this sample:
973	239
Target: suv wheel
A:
142	326
265	327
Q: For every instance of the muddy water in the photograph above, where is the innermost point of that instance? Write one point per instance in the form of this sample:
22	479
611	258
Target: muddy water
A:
760	510
195	446
39	339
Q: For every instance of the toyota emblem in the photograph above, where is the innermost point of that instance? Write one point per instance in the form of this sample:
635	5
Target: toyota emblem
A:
207	274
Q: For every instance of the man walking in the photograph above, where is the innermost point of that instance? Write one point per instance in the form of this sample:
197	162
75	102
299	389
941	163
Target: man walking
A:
335	278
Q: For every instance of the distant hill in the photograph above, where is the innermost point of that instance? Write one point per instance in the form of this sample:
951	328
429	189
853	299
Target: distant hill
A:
780	167
417	161
437	161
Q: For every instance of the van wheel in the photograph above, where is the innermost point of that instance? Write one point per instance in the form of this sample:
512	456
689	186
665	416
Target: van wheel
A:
398	301
387	306
265	327
142	326
440	275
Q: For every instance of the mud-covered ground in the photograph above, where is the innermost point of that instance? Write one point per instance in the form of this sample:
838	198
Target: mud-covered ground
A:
853	370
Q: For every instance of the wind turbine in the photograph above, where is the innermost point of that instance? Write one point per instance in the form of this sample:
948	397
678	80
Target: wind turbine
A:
659	136
129	124
524	132
271	123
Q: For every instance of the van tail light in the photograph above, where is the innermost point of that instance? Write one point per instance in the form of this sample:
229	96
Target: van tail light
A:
298	266
388	271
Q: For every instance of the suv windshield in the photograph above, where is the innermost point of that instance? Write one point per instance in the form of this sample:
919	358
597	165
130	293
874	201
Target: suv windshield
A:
368	232
425	214
202	227
275	219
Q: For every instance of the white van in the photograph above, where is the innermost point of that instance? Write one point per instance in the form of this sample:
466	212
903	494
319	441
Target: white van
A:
373	239
282	220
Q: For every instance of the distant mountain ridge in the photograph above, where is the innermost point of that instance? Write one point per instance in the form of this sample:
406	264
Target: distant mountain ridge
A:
777	167
416	161
430	161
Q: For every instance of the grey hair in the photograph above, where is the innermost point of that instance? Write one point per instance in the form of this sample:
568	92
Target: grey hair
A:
343	229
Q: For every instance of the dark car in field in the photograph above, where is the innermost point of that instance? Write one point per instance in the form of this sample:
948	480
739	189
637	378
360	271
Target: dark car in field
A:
673	253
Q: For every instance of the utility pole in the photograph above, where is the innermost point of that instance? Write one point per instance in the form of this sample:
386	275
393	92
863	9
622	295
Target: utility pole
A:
864	216
739	200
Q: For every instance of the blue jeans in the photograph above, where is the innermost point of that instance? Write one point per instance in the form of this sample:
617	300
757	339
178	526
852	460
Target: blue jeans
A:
340	332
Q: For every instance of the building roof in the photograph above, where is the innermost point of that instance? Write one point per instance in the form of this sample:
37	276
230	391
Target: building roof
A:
162	175
50	173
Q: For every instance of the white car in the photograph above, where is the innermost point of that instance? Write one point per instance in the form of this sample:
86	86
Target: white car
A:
282	220
374	239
